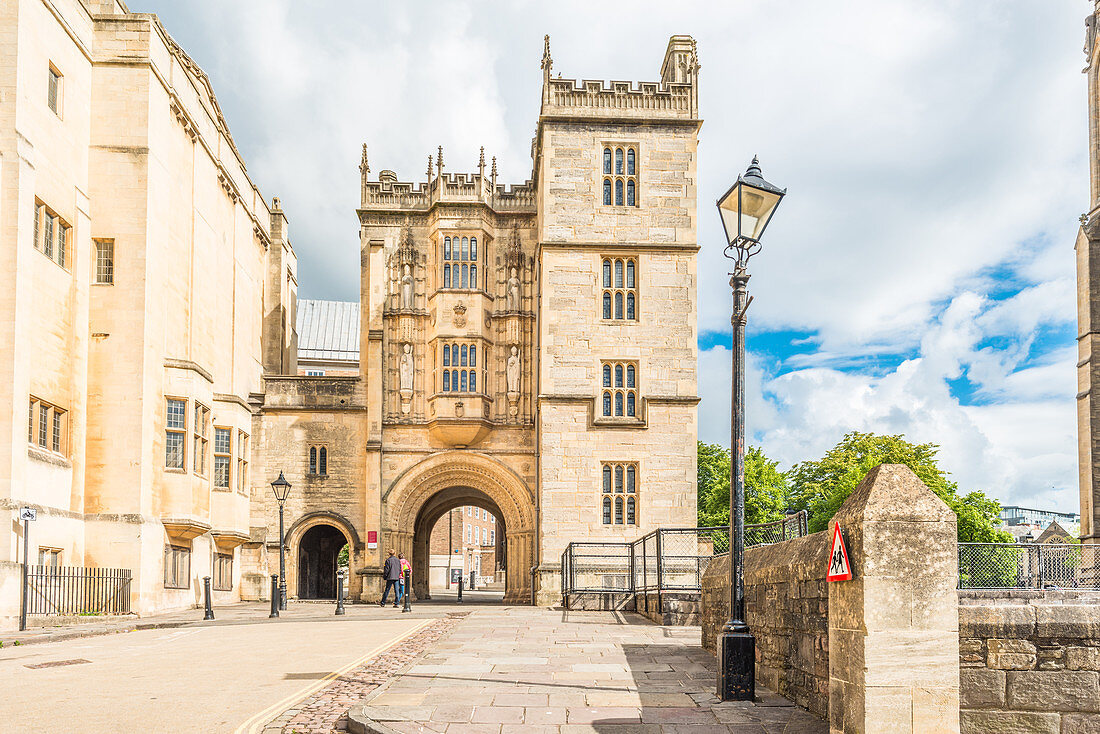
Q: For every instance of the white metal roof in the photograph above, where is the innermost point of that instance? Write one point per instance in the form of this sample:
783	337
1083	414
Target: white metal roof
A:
328	330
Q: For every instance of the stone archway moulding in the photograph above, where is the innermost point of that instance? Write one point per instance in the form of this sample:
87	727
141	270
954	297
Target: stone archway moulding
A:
416	486
312	519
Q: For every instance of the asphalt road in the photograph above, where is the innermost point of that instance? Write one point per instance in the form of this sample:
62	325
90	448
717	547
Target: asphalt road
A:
195	679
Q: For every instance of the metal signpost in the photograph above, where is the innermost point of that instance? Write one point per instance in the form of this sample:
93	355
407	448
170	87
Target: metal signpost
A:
27	515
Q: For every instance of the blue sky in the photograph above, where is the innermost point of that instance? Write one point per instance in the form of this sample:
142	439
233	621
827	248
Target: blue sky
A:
919	277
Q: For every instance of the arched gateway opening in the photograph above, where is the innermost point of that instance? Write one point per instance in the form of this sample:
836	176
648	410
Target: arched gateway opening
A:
426	492
318	551
438	510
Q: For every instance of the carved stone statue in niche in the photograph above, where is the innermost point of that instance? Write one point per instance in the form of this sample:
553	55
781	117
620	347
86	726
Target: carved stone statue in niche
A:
513	292
513	371
407	289
407	368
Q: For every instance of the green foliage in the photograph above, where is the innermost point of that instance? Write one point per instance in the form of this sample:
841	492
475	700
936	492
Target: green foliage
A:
342	558
766	490
822	486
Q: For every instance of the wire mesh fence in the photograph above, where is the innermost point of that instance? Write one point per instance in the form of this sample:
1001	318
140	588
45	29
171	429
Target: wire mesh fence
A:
1028	566
669	559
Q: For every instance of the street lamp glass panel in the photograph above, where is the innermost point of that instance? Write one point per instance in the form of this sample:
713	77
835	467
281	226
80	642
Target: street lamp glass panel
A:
281	488
746	210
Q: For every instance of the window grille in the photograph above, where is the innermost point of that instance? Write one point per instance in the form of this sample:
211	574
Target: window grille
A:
223	456
622	178
460	259
105	262
619	493
175	432
619	288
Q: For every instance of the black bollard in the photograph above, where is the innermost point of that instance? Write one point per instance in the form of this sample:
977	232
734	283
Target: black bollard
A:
209	605
473	575
274	596
461	581
408	591
340	593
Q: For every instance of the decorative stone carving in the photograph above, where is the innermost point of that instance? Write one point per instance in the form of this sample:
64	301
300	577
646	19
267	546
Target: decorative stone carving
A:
514	294
512	373
460	315
406	371
407	288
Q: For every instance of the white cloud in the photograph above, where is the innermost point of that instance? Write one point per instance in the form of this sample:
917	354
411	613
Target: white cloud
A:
932	150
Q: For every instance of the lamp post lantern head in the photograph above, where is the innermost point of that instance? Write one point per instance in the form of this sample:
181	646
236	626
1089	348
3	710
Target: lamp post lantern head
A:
281	488
746	210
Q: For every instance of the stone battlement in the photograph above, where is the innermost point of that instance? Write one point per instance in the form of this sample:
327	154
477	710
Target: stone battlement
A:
389	193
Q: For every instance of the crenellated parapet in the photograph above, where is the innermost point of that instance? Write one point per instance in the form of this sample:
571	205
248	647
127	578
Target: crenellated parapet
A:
674	98
387	193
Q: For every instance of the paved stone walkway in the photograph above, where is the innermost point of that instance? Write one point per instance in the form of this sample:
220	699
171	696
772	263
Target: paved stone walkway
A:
518	669
326	710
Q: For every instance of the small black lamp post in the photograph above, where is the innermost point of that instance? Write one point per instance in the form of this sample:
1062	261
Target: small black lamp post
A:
746	210
281	488
340	592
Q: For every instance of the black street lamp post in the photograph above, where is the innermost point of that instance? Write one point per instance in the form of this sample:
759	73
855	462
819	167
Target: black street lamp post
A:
746	210
281	488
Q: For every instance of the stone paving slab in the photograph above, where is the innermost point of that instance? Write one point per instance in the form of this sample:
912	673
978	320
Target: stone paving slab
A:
522	669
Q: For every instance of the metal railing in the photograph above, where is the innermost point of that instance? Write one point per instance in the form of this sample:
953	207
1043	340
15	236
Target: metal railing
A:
71	590
1028	566
668	559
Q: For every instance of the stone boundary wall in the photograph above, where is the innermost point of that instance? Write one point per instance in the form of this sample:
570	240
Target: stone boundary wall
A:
1029	667
672	608
787	604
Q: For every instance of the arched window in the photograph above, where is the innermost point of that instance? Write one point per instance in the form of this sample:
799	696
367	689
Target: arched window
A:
618	375
446	380
618	510
473	276
606	510
312	459
630	518
446	276
464	354
607	375
618	403
630	404
619	279
473	355
630	375
630	162
607	160
473	248
465	248
446	248
322	461
607	478
473	380
615	497
619	161
630	192
630	479
619	397
446	356
465	275
462	377
618	192
622	176
619	478
607	192
607	403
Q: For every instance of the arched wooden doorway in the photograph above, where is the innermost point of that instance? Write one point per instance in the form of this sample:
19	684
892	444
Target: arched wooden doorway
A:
318	550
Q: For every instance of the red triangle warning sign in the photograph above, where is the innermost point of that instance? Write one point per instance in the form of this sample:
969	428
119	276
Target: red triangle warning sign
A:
839	567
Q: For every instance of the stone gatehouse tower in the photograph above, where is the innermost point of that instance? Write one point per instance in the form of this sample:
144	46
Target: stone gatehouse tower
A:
528	349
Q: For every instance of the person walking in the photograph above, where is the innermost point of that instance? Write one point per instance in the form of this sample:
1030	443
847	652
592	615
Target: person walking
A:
405	566
391	573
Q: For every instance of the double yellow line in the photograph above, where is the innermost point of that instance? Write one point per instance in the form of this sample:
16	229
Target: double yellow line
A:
256	723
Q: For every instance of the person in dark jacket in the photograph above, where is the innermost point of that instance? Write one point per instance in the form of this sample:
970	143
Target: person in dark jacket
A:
391	572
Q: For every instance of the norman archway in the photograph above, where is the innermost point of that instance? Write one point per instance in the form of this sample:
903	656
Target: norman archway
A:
423	493
307	525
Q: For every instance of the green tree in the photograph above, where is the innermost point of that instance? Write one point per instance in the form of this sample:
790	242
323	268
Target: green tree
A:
766	490
822	486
